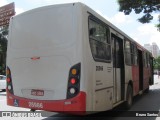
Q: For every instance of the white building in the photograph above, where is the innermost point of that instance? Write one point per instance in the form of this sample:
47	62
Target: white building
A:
154	49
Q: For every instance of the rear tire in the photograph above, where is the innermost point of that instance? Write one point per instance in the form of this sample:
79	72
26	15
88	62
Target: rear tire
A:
147	90
129	97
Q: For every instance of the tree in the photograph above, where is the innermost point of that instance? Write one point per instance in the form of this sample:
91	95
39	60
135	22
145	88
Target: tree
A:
157	63
3	49
141	6
158	25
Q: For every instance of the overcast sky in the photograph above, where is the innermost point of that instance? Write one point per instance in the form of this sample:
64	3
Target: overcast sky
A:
142	33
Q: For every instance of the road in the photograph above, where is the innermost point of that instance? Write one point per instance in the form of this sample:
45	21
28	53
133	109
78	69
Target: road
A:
149	102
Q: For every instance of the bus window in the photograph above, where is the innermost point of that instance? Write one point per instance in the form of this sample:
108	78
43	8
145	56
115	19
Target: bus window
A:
127	52
145	59
148	59
134	54
99	41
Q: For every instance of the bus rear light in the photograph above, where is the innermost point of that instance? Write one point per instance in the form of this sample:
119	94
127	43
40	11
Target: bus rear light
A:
74	71
74	81
9	80
72	91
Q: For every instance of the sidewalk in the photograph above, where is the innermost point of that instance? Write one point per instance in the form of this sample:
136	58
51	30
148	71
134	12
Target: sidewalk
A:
156	84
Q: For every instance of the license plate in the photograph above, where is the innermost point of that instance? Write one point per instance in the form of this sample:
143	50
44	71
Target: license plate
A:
37	92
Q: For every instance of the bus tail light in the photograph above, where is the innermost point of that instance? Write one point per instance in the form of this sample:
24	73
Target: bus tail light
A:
72	90
9	80
74	71
74	81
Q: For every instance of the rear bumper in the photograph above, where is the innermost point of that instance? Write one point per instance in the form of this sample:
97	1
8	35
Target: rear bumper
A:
76	105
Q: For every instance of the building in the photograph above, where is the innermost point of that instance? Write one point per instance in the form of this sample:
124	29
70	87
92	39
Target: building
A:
153	48
148	47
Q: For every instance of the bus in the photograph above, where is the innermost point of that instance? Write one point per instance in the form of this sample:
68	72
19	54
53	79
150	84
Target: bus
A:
67	58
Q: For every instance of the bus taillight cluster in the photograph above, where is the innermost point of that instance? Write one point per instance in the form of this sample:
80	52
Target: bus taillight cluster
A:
9	81
74	81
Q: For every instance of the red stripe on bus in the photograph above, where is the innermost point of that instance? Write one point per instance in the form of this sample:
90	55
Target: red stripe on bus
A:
135	78
76	105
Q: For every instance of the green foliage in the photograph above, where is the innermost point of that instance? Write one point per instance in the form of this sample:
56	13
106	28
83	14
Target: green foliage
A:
157	63
140	6
158	25
3	44
3	49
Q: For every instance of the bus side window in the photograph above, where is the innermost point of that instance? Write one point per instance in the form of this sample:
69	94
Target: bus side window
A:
145	59
127	52
99	41
148	60
92	31
134	55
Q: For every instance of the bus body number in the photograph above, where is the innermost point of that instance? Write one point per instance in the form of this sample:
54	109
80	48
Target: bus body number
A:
35	105
99	68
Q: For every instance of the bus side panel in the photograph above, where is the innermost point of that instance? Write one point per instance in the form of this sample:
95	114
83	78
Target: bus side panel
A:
128	77
95	100
103	87
135	76
146	78
87	61
128	73
103	100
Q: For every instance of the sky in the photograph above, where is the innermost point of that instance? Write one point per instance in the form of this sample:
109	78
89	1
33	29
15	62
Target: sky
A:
142	33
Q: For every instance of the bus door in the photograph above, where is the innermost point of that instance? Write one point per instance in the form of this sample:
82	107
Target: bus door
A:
151	82
140	60
118	68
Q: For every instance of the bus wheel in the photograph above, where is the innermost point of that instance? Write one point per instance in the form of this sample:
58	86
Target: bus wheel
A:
147	90
129	97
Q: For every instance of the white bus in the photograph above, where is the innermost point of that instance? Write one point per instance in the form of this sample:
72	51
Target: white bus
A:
67	58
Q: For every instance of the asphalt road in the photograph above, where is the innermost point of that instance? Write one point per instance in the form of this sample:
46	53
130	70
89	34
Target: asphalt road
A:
146	104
